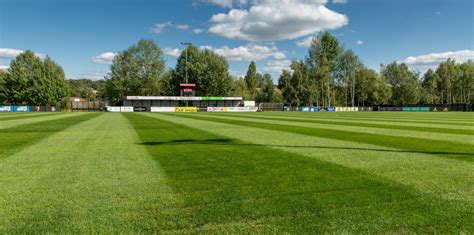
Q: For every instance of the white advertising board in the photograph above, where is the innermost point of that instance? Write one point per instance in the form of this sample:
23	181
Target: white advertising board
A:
242	109
249	103
162	109
217	109
113	109
5	108
126	109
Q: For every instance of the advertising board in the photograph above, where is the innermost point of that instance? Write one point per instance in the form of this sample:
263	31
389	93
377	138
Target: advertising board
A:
309	109
249	103
113	109
186	109
162	109
21	108
126	109
217	109
5	108
242	109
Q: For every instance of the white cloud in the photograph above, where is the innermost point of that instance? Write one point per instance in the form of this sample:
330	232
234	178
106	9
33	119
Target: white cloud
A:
173	52
94	75
159	28
305	42
182	26
434	59
4	67
226	3
339	1
9	53
360	42
198	31
248	52
272	20
104	58
277	66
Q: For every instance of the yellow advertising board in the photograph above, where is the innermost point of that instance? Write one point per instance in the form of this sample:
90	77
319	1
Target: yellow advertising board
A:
186	109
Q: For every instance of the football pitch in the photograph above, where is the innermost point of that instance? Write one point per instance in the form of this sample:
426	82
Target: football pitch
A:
237	172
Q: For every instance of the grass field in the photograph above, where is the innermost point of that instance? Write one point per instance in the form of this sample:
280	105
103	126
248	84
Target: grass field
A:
241	172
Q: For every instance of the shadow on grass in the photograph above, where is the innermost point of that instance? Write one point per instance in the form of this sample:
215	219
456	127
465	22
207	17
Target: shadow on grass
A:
235	143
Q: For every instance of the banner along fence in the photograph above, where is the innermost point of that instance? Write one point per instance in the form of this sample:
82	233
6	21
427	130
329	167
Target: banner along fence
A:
23	109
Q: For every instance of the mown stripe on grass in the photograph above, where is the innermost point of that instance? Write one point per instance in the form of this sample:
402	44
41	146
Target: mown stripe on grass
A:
368	130
225	181
89	178
442	178
372	125
16	138
351	120
13	123
26	116
389	117
454	150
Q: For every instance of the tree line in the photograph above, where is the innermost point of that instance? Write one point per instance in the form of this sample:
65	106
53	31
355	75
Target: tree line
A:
333	76
329	75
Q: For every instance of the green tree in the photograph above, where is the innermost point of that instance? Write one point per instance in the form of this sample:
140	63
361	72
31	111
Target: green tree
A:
25	70
448	73
167	86
287	90
266	90
430	85
322	62
465	82
251	80
136	71
347	65
205	68
3	74
382	93
403	83
190	62
240	87
55	85
31	81
83	88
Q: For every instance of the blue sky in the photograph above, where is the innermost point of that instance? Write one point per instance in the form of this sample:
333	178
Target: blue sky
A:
83	35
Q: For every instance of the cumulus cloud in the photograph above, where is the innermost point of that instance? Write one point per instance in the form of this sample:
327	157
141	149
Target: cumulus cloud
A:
305	42
159	28
173	52
249	52
9	53
226	3
94	75
273	20
104	58
182	26
434	59
3	67
277	66
360	42
198	31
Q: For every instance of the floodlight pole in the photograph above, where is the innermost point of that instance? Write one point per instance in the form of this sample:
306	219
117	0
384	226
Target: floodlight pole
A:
186	44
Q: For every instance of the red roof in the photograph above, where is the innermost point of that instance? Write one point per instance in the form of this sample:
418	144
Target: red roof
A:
187	85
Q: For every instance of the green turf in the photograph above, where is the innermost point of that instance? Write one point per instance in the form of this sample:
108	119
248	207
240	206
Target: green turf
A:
234	173
447	149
